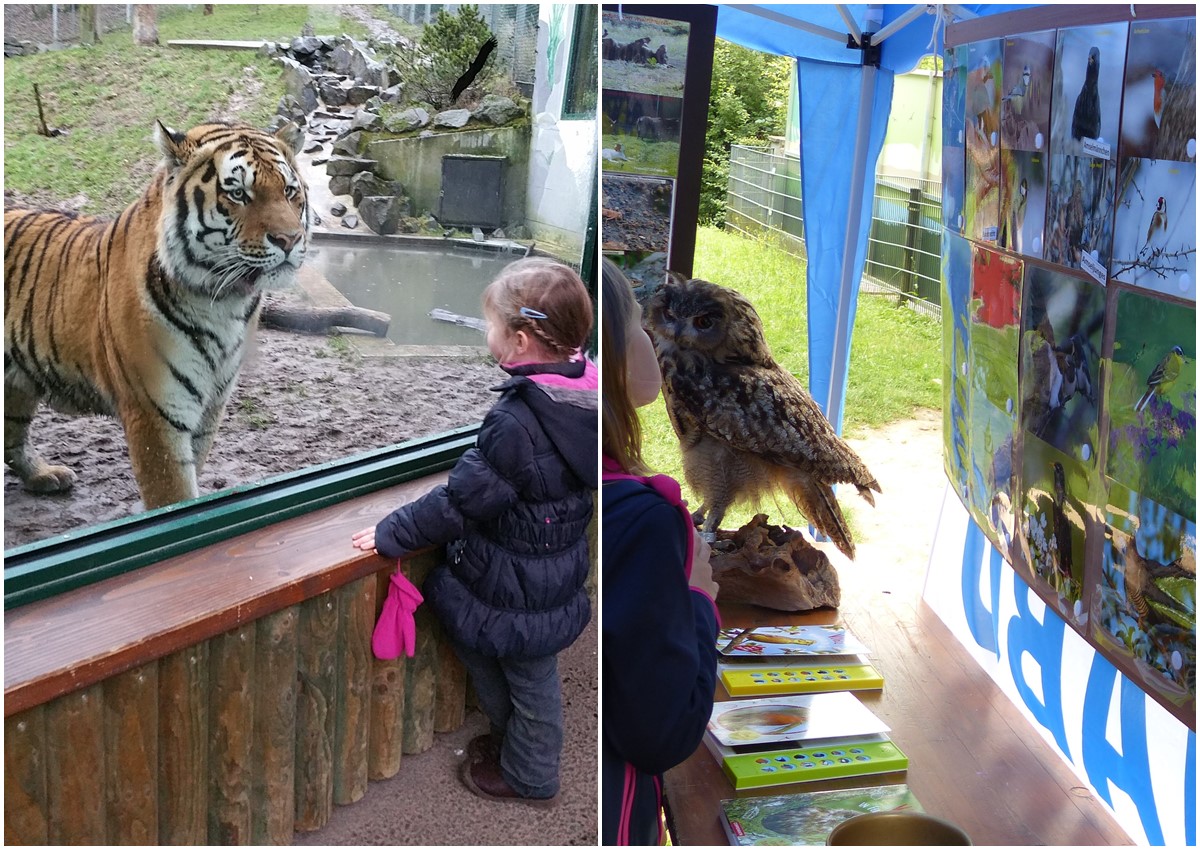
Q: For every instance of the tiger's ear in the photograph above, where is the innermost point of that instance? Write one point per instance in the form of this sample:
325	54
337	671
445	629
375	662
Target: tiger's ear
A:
291	135
170	143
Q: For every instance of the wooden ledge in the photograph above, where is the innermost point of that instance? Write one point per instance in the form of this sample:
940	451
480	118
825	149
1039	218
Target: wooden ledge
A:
59	645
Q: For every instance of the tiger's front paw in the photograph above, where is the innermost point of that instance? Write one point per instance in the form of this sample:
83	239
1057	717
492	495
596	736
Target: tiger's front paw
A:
50	479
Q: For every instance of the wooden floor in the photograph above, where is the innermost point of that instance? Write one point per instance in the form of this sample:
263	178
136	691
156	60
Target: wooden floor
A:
973	758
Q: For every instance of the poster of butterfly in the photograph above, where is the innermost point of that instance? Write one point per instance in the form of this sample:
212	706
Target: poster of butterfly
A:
1069	327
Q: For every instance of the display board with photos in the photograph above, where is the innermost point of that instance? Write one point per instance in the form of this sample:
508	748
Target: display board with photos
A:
648	159
1068	293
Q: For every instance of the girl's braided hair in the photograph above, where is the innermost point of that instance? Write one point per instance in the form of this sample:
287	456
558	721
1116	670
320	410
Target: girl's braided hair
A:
544	298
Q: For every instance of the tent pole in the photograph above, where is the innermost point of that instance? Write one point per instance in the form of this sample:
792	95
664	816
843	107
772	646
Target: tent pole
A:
851	25
898	24
795	23
850	274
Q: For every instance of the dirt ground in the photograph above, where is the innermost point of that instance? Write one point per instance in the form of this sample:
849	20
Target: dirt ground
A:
302	400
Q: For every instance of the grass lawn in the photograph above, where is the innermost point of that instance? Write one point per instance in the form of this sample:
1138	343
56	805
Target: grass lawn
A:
108	96
895	356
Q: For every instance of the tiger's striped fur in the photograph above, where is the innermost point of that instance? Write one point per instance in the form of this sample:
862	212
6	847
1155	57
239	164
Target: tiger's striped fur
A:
147	317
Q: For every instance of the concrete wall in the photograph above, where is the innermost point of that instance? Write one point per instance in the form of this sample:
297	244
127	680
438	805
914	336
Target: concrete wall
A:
908	149
417	163
562	167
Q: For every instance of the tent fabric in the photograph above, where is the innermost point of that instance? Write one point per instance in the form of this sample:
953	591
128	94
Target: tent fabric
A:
829	105
829	85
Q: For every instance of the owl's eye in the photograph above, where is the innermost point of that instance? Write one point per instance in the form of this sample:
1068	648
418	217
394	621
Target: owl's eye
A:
702	323
668	315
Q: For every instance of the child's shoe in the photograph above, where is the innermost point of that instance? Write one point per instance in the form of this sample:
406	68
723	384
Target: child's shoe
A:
484	779
486	747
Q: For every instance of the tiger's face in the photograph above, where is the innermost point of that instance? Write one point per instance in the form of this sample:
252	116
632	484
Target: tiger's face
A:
235	217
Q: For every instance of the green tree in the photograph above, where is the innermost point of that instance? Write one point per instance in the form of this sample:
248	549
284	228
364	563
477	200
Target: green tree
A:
446	49
747	104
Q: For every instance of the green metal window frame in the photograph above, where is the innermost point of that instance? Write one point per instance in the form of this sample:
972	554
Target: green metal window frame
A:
580	103
49	567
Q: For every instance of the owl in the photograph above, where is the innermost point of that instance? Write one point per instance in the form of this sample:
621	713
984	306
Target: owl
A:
747	428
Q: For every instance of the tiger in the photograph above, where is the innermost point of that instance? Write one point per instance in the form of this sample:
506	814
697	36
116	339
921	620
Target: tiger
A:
147	317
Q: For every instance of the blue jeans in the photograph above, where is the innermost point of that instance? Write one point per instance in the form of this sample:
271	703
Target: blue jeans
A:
522	698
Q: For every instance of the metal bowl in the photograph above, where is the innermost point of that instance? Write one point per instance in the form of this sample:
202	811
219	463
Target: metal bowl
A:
897	828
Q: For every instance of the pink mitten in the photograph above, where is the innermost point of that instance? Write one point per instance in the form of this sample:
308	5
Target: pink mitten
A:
396	631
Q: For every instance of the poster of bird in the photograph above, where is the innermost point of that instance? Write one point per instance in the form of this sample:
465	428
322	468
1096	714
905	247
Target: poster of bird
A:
981	206
1022	201
954	110
1089	75
994	352
956	300
1079	213
1154	241
1025	91
1053	526
1062	329
1159	119
1151	400
1144	612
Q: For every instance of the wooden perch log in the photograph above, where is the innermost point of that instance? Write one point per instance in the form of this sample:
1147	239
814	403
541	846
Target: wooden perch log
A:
301	317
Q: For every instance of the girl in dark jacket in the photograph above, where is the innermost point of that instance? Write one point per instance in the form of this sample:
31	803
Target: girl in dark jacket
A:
659	620
515	512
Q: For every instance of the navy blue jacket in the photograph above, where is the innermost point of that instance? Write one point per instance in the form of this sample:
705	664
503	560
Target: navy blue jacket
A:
659	657
515	512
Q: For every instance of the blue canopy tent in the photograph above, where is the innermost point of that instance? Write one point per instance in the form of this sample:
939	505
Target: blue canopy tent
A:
845	84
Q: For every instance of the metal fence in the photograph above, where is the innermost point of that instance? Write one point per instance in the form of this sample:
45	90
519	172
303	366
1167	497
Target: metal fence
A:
904	245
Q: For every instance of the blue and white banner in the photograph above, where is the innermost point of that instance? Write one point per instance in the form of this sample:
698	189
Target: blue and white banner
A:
1132	753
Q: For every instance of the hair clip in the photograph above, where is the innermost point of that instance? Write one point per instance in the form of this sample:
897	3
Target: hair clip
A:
532	314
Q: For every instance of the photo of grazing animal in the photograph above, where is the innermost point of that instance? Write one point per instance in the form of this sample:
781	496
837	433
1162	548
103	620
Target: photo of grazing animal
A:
146	318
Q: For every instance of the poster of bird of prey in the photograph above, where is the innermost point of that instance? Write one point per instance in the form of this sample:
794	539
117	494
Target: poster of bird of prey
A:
1079	213
956	301
1144	610
1089	74
1159	119
1062	330
1053	526
954	110
1154	239
981	206
1151	400
994	350
1022	201
1025	91
644	60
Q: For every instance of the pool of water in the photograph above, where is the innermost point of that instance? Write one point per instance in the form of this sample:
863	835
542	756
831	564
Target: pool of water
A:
408	282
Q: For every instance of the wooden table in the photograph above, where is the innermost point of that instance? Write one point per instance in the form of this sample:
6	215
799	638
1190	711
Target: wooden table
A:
973	758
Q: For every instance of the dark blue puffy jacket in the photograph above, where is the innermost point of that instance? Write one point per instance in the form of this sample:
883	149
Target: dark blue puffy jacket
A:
515	512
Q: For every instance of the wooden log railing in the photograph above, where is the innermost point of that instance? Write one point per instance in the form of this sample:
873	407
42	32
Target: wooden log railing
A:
225	696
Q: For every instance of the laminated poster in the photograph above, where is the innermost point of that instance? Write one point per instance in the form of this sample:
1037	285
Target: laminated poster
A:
1022	201
956	305
1159	120
1057	493
1025	91
1154	243
995	348
954	107
982	133
1089	75
1062	331
807	818
1079	215
643	60
782	719
1145	610
1151	401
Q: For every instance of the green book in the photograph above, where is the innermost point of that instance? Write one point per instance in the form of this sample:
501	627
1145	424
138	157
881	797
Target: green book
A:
806	818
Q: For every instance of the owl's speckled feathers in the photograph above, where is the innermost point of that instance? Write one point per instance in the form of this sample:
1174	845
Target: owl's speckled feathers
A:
747	427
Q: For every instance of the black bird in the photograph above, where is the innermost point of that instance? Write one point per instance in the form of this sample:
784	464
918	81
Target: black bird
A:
1086	121
469	75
